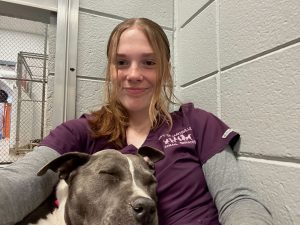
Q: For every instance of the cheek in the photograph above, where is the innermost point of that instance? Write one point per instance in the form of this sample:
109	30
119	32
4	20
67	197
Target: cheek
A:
153	79
114	73
117	79
118	76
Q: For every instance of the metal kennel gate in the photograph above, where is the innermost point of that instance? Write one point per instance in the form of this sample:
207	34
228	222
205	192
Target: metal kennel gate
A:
27	106
25	82
31	85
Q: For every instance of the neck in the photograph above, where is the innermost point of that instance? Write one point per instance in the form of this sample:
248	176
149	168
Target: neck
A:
140	122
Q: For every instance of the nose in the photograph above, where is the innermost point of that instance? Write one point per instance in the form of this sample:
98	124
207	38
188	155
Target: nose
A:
144	210
134	73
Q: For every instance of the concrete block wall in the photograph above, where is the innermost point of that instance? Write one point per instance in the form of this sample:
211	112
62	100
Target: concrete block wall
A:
241	61
97	18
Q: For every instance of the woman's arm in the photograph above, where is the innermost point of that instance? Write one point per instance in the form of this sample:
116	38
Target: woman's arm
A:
237	203
21	190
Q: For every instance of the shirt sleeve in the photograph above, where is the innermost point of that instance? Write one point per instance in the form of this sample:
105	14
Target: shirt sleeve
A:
237	203
70	136
20	187
212	135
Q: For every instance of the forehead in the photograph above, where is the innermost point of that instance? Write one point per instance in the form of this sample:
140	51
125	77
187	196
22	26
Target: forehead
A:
113	159
133	40
109	157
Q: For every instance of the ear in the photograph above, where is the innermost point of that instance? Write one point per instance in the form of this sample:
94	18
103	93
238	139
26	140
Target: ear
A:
65	164
153	154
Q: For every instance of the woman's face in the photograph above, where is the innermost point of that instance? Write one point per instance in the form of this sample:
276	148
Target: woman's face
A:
136	71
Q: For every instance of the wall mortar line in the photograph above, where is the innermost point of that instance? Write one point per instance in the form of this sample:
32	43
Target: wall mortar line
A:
262	54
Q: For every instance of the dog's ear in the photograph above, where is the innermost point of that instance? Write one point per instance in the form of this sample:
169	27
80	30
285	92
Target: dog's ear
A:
65	164
153	154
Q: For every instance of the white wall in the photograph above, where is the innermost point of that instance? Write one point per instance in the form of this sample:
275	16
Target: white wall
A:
242	61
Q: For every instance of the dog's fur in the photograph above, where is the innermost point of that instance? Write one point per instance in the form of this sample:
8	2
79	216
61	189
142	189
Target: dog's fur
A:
106	188
57	216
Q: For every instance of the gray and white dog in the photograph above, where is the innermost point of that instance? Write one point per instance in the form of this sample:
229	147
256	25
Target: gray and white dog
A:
106	188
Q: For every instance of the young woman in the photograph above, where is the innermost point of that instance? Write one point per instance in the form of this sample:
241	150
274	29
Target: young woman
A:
199	181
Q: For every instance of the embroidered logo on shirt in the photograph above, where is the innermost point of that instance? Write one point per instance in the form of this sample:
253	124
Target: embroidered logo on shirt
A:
227	132
180	138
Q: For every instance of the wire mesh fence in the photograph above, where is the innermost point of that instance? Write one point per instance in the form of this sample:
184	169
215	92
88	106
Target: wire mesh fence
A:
23	77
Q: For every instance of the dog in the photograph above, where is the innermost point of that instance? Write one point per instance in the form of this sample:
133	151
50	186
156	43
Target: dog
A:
106	188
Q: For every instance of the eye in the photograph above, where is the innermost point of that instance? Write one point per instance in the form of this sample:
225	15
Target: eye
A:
150	63
122	63
109	175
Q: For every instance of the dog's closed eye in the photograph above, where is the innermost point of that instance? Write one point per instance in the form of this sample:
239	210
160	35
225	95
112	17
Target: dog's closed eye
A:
109	175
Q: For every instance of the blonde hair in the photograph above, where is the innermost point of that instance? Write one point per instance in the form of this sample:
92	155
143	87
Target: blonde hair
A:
112	119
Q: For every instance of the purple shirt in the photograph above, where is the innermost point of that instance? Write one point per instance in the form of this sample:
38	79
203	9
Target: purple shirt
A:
182	191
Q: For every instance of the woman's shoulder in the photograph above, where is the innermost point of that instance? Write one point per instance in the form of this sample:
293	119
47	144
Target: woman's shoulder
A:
76	126
80	121
194	116
188	110
69	135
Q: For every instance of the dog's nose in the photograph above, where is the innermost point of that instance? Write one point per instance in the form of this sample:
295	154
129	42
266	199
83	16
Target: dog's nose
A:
144	209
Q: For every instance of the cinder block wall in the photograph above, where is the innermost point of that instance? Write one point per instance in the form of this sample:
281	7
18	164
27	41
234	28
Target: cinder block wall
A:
241	61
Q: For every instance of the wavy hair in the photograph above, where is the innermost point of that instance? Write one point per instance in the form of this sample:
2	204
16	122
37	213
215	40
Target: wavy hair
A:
112	119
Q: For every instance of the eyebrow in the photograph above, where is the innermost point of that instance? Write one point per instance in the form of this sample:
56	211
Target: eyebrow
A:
143	55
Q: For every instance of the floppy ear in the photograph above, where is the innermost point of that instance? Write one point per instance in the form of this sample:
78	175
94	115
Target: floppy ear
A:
65	164
153	154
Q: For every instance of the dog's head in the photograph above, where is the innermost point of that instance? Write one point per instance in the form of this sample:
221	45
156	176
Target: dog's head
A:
109	187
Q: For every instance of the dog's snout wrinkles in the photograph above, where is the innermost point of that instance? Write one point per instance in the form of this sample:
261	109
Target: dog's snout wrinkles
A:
144	209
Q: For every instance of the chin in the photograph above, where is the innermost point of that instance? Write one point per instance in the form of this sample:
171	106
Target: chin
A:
136	105
136	108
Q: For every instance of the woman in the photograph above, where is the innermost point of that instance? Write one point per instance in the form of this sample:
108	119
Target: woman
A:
199	181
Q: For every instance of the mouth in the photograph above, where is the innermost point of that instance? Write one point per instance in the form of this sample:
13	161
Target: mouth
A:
135	91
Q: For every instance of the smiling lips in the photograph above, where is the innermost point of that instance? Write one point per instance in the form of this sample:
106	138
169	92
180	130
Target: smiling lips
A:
135	91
